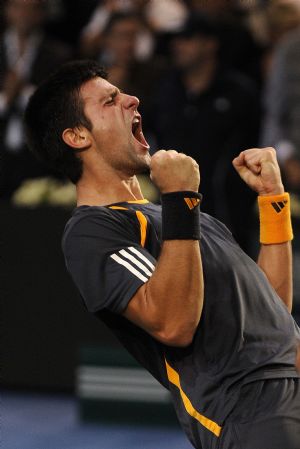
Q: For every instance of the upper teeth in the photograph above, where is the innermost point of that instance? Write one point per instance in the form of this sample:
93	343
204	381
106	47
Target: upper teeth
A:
136	120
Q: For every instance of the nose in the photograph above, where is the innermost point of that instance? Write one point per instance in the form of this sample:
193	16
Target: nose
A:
131	102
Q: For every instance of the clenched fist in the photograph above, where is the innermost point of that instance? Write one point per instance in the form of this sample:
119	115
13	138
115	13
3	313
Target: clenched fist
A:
259	168
172	172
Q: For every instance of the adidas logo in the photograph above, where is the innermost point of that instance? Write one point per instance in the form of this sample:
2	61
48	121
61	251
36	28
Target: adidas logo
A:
279	205
192	202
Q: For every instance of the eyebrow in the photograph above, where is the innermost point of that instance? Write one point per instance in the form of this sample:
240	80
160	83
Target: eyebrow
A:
114	93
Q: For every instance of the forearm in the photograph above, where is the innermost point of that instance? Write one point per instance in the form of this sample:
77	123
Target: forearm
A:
276	262
260	170
169	305
276	233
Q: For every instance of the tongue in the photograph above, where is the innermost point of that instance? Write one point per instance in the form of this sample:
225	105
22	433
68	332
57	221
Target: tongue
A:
139	136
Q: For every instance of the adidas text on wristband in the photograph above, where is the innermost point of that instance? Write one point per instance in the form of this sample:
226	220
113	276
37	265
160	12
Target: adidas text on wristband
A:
275	219
181	215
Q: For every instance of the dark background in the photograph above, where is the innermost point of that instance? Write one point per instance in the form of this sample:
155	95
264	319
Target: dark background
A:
44	324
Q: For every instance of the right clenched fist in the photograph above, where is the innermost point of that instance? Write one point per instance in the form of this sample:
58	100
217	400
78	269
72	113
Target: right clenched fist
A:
172	172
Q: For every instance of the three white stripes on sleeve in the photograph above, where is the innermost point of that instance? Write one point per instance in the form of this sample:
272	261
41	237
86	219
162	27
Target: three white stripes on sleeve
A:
132	258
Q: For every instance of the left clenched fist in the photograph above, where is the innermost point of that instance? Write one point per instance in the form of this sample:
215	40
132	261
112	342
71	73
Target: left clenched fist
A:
259	168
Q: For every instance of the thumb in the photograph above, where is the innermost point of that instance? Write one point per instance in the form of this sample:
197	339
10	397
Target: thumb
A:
239	164
239	160
242	169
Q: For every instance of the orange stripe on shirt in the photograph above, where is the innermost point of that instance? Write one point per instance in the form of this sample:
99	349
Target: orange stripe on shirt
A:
143	226
210	425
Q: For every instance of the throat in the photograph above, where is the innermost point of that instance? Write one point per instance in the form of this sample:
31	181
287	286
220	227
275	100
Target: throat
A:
89	194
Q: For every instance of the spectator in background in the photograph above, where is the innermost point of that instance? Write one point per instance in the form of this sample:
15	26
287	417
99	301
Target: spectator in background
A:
67	18
92	34
280	17
239	48
210	113
282	108
160	18
282	89
27	56
281	128
126	70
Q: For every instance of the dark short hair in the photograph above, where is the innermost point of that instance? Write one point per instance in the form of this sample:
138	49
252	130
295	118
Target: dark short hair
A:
55	106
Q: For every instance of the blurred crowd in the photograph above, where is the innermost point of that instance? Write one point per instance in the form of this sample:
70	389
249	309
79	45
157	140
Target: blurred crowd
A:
214	77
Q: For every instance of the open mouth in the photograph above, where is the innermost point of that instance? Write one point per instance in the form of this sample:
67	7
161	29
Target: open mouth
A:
137	131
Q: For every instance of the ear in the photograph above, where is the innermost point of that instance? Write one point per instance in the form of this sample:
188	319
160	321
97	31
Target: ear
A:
77	138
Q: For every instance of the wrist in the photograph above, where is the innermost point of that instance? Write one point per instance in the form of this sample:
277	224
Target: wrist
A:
278	190
181	215
275	218
178	189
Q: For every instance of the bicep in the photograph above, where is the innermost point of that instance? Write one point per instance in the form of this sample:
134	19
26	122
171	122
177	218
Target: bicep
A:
106	275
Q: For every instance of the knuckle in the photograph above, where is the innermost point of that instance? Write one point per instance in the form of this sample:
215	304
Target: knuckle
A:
195	163
270	150
155	156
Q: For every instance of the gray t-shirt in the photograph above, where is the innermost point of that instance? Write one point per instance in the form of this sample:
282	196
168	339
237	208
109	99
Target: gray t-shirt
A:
245	332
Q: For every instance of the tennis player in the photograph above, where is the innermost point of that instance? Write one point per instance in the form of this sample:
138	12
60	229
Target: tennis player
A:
210	324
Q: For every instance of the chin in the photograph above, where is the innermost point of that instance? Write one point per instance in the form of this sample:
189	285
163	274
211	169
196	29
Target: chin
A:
141	164
145	170
141	168
145	161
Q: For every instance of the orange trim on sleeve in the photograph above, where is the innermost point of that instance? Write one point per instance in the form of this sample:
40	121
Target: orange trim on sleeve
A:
118	207
143	226
142	221
144	201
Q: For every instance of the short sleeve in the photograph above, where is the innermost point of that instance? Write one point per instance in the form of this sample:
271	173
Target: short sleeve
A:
105	259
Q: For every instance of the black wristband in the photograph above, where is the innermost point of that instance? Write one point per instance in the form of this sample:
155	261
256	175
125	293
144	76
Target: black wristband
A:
181	215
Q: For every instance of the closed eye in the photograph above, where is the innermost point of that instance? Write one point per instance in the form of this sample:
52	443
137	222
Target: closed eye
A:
112	97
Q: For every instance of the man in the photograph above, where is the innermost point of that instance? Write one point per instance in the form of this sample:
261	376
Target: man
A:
281	127
209	323
209	111
27	55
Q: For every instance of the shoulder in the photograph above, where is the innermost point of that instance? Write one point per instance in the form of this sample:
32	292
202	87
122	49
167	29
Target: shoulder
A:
100	222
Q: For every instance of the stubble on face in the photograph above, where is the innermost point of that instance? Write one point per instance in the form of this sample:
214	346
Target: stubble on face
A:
128	161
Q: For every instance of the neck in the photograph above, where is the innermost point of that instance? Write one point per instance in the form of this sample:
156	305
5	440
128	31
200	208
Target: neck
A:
111	188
